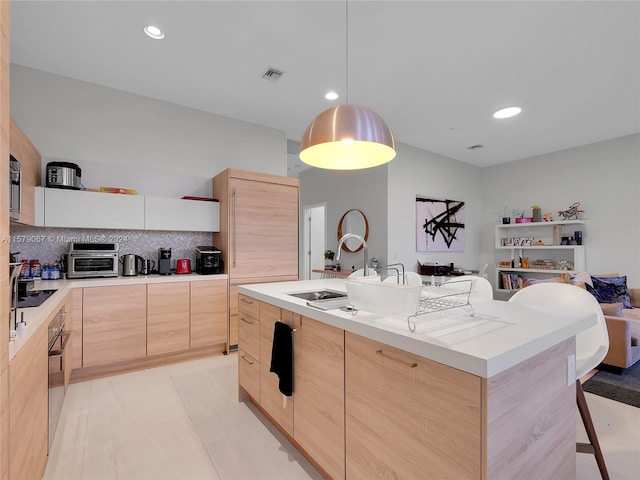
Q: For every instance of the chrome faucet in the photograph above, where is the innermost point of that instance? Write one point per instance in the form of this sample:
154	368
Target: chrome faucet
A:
364	249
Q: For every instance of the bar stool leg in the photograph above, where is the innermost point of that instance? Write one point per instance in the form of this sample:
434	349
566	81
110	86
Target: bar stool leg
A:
594	446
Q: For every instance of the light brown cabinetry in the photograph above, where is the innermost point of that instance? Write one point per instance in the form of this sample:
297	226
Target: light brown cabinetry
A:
30	162
427	416
249	346
114	324
258	230
74	314
29	408
208	313
318	416
167	317
271	399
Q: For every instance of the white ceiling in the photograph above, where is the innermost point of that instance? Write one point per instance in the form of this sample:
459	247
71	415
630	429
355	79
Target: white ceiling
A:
435	71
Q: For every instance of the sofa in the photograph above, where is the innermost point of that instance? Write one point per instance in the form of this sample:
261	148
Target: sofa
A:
621	308
623	325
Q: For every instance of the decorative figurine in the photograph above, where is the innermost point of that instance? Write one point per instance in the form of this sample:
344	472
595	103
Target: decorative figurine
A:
572	211
564	265
548	217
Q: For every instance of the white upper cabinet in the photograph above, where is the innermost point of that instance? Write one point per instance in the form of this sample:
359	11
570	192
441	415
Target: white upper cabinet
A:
79	209
177	214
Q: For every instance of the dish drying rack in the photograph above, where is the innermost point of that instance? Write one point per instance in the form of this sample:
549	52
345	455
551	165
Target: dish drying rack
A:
453	294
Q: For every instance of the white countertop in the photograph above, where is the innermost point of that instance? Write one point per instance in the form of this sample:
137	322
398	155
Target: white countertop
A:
497	337
36	316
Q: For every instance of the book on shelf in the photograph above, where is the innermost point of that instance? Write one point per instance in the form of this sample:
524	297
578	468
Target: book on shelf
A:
512	281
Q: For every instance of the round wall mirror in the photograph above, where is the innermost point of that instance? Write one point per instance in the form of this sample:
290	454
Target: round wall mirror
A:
353	221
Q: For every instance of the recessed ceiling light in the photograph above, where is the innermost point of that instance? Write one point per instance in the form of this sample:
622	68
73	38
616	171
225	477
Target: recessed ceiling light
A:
154	32
331	96
507	112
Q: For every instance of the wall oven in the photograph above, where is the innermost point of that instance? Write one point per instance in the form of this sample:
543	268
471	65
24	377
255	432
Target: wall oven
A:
58	339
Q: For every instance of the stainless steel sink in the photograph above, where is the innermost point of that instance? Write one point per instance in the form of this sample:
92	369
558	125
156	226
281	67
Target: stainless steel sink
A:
318	295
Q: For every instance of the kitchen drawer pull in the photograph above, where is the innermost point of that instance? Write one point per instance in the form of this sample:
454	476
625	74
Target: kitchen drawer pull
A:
246	301
244	319
245	359
406	364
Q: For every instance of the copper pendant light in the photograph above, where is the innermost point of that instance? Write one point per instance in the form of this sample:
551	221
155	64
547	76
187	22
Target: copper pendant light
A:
347	137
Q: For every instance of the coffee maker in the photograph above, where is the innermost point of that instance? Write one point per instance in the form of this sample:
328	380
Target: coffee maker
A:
208	260
164	261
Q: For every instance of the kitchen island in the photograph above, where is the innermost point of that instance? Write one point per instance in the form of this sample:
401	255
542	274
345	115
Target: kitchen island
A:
484	396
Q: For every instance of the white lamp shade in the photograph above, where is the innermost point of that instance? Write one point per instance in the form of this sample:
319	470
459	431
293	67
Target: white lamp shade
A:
347	137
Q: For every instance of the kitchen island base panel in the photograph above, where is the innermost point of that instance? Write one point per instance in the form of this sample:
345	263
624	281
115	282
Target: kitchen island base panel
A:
531	414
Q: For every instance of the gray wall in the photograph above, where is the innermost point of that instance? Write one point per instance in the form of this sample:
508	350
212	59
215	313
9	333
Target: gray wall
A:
604	177
158	147
365	190
82	122
418	172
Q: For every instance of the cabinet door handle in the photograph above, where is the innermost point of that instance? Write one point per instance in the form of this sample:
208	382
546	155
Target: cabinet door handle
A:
244	319
402	362
246	360
233	208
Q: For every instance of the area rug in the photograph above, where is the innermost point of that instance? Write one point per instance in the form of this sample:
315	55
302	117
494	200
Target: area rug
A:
624	388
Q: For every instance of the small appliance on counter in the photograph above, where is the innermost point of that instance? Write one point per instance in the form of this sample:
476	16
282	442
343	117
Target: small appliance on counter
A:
183	265
63	175
208	260
148	266
90	260
164	261
131	264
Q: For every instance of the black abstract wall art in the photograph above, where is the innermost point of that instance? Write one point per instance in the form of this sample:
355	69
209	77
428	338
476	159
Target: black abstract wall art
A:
439	224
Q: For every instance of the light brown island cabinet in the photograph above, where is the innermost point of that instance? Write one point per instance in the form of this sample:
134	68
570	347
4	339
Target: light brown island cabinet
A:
249	346
209	313
114	323
318	416
30	163
258	234
271	399
409	417
28	408
167	317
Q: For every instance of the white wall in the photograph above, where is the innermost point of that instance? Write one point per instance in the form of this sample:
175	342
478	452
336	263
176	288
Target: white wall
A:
604	177
418	172
365	190
82	122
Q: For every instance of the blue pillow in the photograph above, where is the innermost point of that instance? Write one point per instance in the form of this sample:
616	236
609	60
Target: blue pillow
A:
610	290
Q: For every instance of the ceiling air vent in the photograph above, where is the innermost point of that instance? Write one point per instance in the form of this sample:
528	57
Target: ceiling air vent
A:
272	74
475	147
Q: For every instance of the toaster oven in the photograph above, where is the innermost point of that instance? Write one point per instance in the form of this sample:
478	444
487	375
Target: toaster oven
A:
91	260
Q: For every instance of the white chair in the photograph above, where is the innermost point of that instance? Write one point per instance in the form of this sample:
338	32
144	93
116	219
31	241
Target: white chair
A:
410	278
591	346
481	288
360	273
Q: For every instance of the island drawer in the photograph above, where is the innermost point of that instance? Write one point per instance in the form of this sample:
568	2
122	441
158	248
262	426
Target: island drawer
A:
249	334
249	305
249	374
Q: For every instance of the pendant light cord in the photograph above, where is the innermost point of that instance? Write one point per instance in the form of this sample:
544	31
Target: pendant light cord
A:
346	55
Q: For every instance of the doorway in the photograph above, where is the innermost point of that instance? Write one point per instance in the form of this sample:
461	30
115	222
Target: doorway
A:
314	232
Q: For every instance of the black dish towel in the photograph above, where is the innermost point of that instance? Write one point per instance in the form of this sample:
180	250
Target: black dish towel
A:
282	357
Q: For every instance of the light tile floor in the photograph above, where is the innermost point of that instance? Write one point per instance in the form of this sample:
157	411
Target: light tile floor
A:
184	421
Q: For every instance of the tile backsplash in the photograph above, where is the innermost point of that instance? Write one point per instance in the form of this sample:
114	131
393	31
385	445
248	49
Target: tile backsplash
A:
49	244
